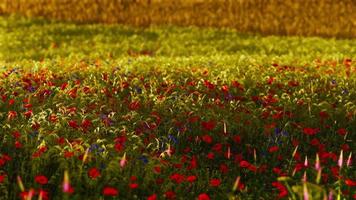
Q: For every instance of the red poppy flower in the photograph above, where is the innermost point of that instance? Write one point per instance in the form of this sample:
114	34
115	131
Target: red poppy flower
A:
342	131
2	177
93	173
217	147
119	147
135	105
64	86
273	149
225	88
52	118
159	181
281	188
28	114
18	144
350	183
11	115
43	194
193	163
215	182
252	168
86	123
193	119
177	178
207	139
41	179
191	179
110	191
244	164
209	125
310	131
68	154
209	85
152	197
11	102
237	139
73	124
323	115
27	194
203	196
133	185
210	156
224	168
170	195
270	80
73	93
16	134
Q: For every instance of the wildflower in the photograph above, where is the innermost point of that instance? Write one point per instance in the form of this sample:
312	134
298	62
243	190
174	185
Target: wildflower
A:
273	149
210	156
86	124
43	194
73	124
119	147
237	139
11	115
207	139
123	160
67	188
244	164
177	178
41	179
342	131
133	178
203	196
135	105
310	131
110	191
348	162
133	185
2	177
28	114
18	144
152	197
170	195
191	178
93	173
64	86
25	195
350	183
225	88
281	188
224	168
215	182
341	159
68	154
209	125
317	162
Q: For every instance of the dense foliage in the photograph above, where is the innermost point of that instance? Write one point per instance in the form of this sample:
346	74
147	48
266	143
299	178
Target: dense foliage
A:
112	112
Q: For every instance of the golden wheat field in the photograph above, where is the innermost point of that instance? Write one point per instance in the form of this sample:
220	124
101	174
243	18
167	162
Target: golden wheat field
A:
283	17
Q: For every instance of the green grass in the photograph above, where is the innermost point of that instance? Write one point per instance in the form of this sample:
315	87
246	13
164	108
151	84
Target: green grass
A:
33	39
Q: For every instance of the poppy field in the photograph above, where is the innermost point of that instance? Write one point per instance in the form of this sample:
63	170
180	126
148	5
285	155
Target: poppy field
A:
115	112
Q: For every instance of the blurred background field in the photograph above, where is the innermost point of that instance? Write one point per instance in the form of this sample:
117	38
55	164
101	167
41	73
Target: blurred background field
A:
282	17
38	39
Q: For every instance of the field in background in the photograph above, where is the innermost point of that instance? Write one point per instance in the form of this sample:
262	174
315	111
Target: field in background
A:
283	17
